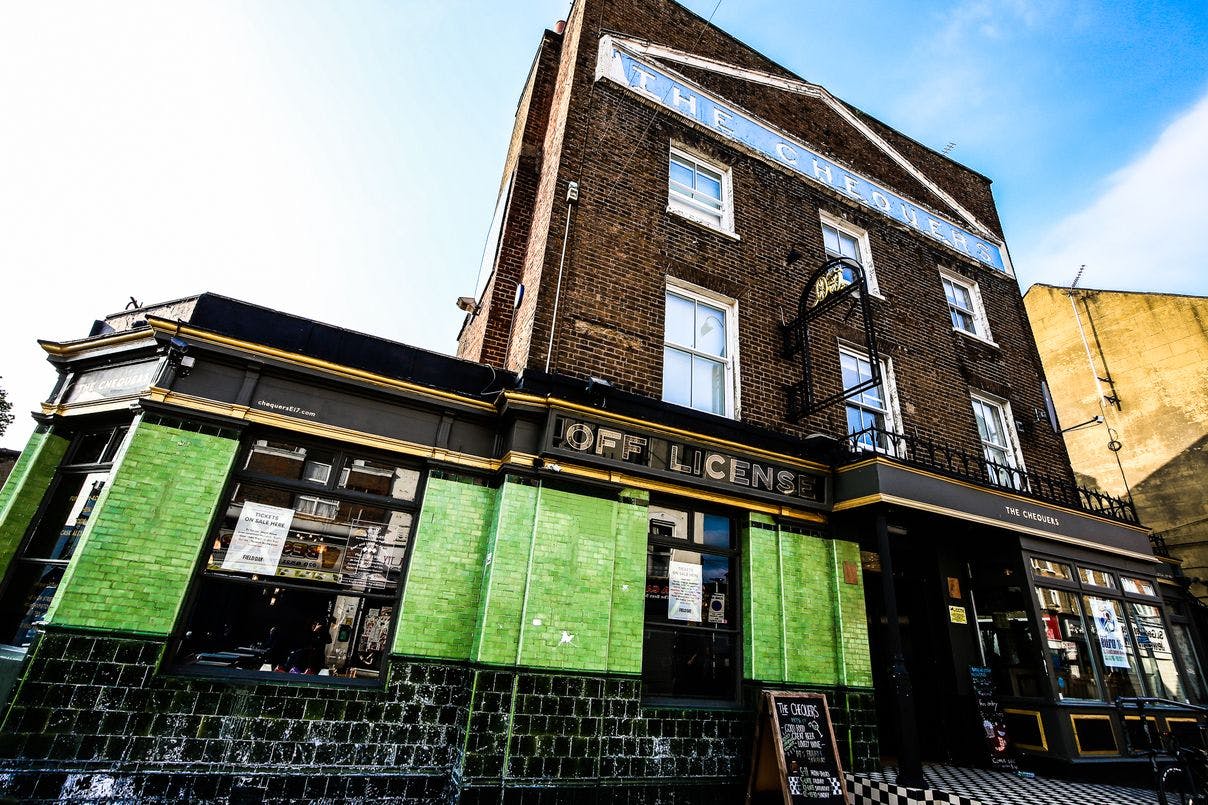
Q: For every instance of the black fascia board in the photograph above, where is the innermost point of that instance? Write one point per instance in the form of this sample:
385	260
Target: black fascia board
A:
611	400
284	331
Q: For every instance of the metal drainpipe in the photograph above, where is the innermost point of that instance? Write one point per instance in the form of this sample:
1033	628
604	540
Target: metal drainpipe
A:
572	195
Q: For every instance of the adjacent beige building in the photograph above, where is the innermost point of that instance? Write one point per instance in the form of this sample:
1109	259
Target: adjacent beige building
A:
1139	361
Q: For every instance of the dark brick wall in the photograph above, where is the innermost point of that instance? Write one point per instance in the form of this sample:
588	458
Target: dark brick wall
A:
624	244
478	341
93	719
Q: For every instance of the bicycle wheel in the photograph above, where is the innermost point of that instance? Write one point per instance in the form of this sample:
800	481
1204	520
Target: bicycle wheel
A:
1177	788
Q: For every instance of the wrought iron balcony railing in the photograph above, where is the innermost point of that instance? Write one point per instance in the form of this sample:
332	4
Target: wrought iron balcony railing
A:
955	462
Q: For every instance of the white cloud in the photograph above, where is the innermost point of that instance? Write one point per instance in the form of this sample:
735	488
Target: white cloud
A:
1146	229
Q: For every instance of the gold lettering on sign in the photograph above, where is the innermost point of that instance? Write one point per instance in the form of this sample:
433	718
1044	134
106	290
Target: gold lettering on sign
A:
829	283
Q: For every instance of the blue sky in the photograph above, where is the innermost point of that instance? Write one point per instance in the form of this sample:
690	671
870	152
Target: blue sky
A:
341	160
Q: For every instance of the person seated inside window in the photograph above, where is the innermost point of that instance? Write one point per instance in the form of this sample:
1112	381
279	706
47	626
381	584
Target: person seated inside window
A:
307	658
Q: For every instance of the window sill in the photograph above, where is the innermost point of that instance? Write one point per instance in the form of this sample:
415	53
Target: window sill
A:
974	337
239	674
735	417
703	224
674	703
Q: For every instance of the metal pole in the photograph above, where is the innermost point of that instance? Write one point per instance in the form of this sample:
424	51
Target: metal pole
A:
910	762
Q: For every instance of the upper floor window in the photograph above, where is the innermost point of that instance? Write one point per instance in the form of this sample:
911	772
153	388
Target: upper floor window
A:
872	414
965	305
699	352
841	239
1000	444
699	190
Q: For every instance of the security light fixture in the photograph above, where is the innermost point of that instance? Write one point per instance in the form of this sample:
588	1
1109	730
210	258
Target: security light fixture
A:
468	304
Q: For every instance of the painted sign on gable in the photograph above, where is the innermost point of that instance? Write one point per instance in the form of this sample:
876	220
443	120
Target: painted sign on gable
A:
688	100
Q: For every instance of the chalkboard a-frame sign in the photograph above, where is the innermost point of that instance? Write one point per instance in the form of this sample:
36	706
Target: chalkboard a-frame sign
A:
795	758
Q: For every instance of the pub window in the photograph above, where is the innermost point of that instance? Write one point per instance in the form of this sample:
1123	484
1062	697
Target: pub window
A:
965	305
35	574
1047	569
691	641
872	416
700	350
1120	647
1096	578
1138	586
1155	649
1069	644
1181	642
699	190
841	239
1004	624
304	568
1000	444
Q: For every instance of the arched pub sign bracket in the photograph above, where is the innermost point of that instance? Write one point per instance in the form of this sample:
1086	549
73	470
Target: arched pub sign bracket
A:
835	282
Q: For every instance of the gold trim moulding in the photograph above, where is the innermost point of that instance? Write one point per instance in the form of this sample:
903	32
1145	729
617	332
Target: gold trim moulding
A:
1075	717
99	342
165	326
642	482
91	406
555	402
1007	495
975	518
1044	740
511	459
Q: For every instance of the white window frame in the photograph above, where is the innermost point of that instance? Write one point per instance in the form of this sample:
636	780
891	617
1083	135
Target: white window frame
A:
312	465
682	205
861	238
981	322
1012	446
310	506
889	392
733	408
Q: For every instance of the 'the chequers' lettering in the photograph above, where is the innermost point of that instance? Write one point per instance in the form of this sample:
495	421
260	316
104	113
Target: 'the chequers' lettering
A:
694	103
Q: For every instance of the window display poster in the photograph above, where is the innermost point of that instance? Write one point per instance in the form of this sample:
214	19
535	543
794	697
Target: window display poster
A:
685	590
258	539
1111	633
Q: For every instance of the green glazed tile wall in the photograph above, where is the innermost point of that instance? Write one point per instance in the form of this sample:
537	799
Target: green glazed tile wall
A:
25	488
541	577
565	582
802	622
439	611
145	533
763	622
852	622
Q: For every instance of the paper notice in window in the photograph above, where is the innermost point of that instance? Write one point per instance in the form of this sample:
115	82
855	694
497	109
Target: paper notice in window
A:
1111	633
684	591
258	539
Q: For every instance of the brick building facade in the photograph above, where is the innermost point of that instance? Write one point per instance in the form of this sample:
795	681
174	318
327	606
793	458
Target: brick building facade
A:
673	165
745	402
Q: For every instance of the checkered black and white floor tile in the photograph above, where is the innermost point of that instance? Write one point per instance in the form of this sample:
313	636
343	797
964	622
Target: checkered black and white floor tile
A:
954	785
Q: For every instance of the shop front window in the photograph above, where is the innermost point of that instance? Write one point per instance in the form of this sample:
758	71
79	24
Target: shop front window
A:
1096	578
39	566
305	566
1068	643
1115	647
1128	644
1181	639
690	646
1154	646
1045	569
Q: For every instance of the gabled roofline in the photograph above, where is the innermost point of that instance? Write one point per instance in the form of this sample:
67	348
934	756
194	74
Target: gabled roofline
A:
802	87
